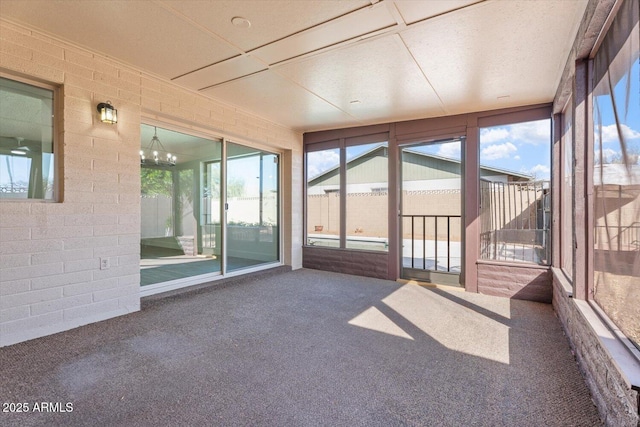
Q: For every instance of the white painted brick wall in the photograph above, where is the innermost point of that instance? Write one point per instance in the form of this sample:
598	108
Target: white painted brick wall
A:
50	277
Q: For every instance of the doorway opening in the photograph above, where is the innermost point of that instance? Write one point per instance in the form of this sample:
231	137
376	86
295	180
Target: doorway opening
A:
431	212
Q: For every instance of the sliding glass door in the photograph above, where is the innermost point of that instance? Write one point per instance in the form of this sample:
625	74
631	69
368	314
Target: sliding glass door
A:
183	232
252	207
178	236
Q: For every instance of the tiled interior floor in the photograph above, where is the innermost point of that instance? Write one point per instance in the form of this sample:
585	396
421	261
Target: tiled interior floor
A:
158	265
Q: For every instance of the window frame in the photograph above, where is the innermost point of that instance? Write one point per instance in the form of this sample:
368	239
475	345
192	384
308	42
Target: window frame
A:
511	119
566	119
583	156
341	144
56	137
222	137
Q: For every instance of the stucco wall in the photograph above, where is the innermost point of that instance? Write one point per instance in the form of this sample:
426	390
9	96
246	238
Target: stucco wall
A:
50	276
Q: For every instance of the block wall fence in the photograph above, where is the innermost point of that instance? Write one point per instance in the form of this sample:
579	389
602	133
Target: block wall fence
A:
364	216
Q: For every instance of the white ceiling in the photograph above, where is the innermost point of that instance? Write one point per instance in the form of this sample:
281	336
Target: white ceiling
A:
314	65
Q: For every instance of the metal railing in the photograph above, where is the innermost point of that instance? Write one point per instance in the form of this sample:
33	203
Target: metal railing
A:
618	237
422	221
515	221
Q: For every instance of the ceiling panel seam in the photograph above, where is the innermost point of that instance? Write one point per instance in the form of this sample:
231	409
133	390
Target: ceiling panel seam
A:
306	89
233	80
448	12
397	15
242	52
397	28
335	18
424	74
207	66
391	7
381	32
195	24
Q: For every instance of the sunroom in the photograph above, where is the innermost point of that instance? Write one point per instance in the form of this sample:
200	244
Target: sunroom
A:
489	146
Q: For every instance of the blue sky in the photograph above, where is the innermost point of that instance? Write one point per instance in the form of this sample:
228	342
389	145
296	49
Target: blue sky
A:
627	93
524	148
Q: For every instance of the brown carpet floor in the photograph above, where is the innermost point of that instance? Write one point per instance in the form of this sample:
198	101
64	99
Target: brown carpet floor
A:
306	348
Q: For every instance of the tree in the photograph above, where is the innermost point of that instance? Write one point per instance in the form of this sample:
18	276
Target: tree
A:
156	182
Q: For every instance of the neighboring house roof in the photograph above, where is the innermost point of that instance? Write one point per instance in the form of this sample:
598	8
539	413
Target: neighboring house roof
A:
448	167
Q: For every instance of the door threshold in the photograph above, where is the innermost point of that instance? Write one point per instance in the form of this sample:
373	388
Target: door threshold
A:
431	284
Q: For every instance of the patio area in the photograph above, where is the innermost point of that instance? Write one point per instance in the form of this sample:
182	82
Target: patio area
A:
307	348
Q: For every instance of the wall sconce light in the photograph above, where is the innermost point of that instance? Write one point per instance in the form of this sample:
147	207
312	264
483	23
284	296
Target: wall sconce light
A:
108	114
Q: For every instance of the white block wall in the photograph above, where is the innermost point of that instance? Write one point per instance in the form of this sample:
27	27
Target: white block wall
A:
50	276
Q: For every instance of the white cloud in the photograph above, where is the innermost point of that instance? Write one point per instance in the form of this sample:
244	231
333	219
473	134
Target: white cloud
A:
321	161
516	158
607	155
491	135
610	133
539	169
535	133
451	150
498	151
539	172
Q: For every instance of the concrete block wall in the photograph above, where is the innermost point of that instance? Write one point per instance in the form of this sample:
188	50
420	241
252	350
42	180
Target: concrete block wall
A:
359	263
50	276
510	280
367	213
617	403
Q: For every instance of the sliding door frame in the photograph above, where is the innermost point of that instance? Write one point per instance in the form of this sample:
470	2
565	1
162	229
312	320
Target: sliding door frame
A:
224	272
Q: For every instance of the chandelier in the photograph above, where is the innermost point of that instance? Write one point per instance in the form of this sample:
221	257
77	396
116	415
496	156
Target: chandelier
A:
159	156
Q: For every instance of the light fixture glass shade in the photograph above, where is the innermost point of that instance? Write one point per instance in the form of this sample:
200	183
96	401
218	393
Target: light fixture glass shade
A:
108	114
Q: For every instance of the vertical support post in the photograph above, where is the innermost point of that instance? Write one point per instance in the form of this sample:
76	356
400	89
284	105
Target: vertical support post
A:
557	178
581	148
261	187
197	207
343	194
393	205
588	169
223	207
471	180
